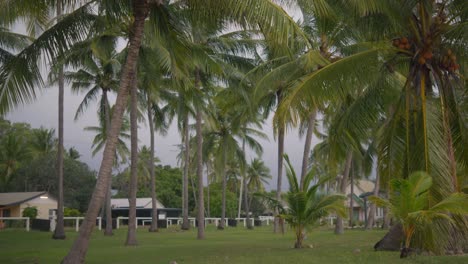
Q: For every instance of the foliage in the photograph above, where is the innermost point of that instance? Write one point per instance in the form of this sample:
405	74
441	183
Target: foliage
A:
216	201
30	212
168	187
410	203
71	212
304	208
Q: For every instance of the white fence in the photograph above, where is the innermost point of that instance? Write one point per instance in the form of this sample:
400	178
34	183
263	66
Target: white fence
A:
18	218
53	222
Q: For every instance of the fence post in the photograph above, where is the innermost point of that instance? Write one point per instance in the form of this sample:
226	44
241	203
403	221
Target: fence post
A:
27	224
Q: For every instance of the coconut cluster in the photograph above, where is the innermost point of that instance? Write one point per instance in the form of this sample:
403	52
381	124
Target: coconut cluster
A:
449	61
402	43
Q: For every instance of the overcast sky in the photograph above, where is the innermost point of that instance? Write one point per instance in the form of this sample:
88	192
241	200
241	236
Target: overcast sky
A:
44	112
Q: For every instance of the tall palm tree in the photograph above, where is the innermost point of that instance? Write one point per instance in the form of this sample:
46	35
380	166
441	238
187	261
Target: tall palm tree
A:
257	175
98	70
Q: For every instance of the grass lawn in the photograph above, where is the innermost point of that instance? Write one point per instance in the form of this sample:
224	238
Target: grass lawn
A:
234	245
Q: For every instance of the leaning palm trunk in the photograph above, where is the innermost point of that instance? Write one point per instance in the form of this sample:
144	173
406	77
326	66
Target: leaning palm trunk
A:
108	229
59	232
277	223
79	249
307	145
154	210
185	221
132	221
201	202
339	228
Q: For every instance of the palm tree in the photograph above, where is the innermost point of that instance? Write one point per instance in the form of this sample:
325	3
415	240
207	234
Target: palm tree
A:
257	175
43	142
98	73
12	153
306	207
410	205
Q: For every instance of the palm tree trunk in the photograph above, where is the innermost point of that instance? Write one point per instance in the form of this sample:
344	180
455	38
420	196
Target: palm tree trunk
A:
208	190
78	251
223	202
241	183
276	228
132	221
154	205
307	146
373	208
185	221
351	198
59	232
201	202
108	229
247	204
339	228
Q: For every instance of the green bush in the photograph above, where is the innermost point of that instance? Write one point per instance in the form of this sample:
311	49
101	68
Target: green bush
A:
71	212
30	212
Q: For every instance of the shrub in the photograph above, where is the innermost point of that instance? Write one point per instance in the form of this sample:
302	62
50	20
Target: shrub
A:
71	212
30	212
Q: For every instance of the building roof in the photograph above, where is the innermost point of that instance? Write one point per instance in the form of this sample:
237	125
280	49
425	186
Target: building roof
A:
140	203
14	198
360	187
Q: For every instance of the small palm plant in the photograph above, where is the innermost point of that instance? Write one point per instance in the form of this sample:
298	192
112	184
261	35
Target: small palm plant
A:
409	204
305	207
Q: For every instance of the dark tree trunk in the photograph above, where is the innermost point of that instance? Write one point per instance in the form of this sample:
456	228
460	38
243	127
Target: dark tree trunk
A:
351	198
276	227
185	221
108	229
79	249
339	228
307	146
223	202
201	202
154	205
59	232
392	241
132	221
373	208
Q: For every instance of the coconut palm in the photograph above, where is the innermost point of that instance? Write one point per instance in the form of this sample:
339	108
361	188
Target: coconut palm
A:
409	203
257	175
13	152
304	208
43	142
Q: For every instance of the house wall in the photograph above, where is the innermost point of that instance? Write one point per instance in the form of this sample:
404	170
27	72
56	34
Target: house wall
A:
43	205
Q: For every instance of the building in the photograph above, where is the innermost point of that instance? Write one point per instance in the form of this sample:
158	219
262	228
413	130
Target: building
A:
362	188
12	204
144	207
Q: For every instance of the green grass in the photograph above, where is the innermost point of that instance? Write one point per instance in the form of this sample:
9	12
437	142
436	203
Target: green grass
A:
234	245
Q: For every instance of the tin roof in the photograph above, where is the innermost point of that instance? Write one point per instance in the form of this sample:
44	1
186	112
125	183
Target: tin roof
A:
140	203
